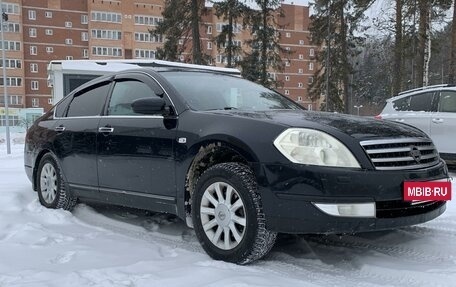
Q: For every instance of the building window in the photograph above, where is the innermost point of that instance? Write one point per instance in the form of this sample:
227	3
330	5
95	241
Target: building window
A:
49	50
10	8
287	48
309	107
12	81
287	78
85	53
209	29
311	66
11	27
68	24
147	37
107	51
84	19
299	99
35	102
32	15
34	85
300	71
33	50
12	100
301	42
299	85
209	45
144	54
288	34
311	52
107	17
11	63
50	101
11	45
69	57
287	92
48	14
49	32
301	56
69	41
84	36
34	68
32	32
181	42
147	20
310	80
237	28
106	34
287	63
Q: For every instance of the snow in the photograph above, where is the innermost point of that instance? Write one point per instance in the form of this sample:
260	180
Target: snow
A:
107	246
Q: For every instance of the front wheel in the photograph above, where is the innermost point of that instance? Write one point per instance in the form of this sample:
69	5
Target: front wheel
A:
228	215
51	186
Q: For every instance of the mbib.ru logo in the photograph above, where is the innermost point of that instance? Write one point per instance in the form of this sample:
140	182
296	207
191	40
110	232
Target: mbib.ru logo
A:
427	190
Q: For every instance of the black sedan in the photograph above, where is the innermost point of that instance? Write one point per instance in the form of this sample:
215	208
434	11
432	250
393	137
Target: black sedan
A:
238	162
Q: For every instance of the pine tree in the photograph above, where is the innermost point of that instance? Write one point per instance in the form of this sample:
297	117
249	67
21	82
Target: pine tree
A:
181	21
265	50
231	11
333	24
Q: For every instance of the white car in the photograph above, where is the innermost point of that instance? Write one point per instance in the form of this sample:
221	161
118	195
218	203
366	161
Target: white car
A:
431	109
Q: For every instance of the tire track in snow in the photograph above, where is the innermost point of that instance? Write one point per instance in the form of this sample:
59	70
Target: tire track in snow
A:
396	251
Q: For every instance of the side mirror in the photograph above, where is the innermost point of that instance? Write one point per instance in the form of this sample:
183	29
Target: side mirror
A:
149	106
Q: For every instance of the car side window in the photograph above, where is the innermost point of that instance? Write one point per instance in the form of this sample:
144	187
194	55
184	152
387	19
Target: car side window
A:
447	102
89	102
419	102
62	106
125	93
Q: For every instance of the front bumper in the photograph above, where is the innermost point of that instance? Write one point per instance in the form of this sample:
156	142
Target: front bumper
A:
289	191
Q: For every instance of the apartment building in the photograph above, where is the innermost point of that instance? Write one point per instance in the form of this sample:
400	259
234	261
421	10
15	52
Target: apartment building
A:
38	31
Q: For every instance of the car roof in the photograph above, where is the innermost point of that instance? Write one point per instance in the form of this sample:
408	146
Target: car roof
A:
420	90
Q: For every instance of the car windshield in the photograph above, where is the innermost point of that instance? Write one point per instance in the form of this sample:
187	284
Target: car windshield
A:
210	91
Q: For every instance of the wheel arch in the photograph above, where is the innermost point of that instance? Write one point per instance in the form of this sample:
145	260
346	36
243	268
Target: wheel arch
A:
206	154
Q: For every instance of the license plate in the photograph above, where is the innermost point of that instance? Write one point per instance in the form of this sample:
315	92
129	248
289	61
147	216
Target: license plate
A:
427	190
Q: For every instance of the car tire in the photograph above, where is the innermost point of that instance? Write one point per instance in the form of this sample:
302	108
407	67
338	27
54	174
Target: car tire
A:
52	191
228	216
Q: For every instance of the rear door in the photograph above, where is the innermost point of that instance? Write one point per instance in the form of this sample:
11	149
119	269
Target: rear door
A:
135	151
443	123
75	140
415	110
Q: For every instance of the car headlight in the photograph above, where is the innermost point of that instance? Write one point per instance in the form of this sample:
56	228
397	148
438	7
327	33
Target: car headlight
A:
313	147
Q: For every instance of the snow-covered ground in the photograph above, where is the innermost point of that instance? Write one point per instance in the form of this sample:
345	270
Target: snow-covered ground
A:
101	246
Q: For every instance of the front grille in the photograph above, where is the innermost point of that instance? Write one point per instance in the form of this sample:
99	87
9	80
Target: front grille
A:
400	154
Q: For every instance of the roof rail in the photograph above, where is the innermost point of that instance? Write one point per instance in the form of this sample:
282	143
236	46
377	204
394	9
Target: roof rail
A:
425	88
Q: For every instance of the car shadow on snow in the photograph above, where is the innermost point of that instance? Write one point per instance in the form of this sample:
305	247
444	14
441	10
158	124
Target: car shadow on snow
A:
343	252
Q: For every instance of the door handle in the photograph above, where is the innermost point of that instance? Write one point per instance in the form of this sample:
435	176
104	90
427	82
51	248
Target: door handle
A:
59	129
437	121
106	129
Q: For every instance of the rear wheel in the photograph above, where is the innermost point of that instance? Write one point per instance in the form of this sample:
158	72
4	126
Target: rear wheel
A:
51	186
228	216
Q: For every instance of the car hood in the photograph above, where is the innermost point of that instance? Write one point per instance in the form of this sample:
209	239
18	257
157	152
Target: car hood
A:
357	127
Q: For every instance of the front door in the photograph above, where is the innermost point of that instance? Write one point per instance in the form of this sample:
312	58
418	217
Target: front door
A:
443	123
135	151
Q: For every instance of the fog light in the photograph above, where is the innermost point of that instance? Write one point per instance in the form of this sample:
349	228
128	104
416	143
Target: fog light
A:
348	209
